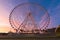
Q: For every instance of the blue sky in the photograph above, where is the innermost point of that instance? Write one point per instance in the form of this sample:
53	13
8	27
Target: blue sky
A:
52	6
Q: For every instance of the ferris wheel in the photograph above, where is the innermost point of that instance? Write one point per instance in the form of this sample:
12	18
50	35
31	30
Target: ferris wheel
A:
29	17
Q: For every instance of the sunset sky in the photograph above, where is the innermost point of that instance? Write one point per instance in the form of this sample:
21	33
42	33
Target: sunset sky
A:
6	6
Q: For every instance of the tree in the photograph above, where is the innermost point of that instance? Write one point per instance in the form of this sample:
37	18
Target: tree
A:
58	31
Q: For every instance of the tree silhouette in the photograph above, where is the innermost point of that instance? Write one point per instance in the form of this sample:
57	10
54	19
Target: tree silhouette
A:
58	29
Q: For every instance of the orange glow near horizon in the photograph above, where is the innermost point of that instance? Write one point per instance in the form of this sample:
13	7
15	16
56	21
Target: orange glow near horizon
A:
5	29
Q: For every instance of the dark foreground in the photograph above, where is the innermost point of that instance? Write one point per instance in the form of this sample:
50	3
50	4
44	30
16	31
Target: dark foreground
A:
29	37
32	38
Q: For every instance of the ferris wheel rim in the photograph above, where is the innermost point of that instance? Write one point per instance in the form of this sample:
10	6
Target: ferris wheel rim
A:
20	5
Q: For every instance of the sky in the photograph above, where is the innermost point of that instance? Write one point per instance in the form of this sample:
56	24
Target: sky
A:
6	6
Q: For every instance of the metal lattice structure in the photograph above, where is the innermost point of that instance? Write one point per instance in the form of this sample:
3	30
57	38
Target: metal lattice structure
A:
29	18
